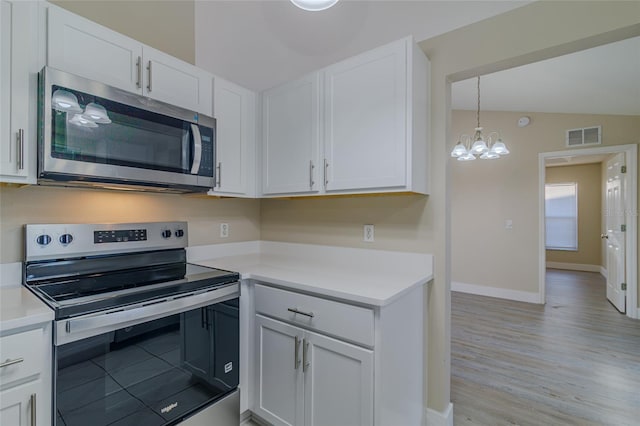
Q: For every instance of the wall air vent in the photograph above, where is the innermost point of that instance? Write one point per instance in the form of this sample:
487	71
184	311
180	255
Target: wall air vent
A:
584	136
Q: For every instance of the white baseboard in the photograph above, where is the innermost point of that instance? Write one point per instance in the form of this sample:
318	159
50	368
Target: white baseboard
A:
501	293
603	271
437	418
574	266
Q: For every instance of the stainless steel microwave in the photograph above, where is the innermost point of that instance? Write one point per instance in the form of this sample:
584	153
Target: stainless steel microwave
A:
91	134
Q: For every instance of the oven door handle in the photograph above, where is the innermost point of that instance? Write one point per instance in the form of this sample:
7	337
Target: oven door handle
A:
74	329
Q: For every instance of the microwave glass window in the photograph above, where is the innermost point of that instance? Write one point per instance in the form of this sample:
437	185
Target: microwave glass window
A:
112	133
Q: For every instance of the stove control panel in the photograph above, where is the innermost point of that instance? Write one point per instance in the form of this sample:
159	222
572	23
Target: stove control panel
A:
56	241
119	236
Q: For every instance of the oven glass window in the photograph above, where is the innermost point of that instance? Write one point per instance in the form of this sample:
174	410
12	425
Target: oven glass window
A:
102	131
155	373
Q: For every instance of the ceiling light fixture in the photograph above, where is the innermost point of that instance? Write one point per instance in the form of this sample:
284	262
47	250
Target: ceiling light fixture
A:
314	5
490	150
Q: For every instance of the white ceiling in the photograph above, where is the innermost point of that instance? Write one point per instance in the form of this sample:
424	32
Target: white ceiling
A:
602	80
260	44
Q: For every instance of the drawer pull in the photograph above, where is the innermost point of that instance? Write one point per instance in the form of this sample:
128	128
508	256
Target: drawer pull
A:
11	362
296	311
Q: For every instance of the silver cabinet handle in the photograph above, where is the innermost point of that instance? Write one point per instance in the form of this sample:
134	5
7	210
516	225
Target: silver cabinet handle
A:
219	175
305	358
326	178
296	347
11	362
149	82
311	167
20	155
139	72
32	403
296	311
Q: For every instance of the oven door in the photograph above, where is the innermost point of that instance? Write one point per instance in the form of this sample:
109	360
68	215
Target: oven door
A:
156	372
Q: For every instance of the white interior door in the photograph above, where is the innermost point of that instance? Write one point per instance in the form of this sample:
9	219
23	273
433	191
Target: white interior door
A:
615	232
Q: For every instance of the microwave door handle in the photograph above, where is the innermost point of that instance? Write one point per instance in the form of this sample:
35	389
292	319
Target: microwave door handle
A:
197	149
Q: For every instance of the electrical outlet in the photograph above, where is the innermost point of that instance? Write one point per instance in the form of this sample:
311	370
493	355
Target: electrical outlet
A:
368	233
508	224
224	230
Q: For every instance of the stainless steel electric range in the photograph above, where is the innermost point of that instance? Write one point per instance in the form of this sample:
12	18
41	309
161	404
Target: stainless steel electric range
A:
141	337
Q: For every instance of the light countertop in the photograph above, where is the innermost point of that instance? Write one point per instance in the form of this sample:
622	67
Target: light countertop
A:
369	277
20	308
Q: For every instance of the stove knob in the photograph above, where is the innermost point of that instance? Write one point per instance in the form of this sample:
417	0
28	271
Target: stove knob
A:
179	233
166	234
65	239
43	239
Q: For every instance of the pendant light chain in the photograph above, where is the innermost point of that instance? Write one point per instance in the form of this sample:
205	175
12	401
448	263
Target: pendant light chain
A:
478	112
490	150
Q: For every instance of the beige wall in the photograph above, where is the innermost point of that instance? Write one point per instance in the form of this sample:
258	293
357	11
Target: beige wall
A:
486	193
167	25
588	177
34	204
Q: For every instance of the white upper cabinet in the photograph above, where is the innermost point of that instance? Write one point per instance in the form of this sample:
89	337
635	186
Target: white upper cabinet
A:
170	80
18	84
373	126
365	120
82	47
290	156
235	113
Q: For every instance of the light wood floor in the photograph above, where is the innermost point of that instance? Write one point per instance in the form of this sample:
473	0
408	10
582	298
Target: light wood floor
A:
574	361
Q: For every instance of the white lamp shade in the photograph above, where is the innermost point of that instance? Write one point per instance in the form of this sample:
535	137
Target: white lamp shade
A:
500	148
467	157
458	150
65	101
80	121
314	5
479	147
96	113
490	155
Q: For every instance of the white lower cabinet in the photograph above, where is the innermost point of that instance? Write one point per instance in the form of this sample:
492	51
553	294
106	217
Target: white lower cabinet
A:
306	378
19	405
25	377
317	361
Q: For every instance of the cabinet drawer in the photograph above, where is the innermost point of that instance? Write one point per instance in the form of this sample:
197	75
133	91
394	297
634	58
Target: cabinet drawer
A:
335	318
26	349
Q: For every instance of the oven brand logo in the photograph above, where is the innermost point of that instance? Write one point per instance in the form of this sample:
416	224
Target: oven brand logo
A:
169	408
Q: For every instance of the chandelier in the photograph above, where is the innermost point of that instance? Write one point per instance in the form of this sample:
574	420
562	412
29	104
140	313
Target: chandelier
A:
492	149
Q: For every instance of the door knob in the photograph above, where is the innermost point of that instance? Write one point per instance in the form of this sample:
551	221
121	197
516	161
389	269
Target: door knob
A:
604	236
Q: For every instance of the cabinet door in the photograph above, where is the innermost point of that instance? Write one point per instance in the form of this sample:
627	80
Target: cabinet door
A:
234	109
365	120
279	385
17	136
16	405
84	48
291	137
175	82
338	383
